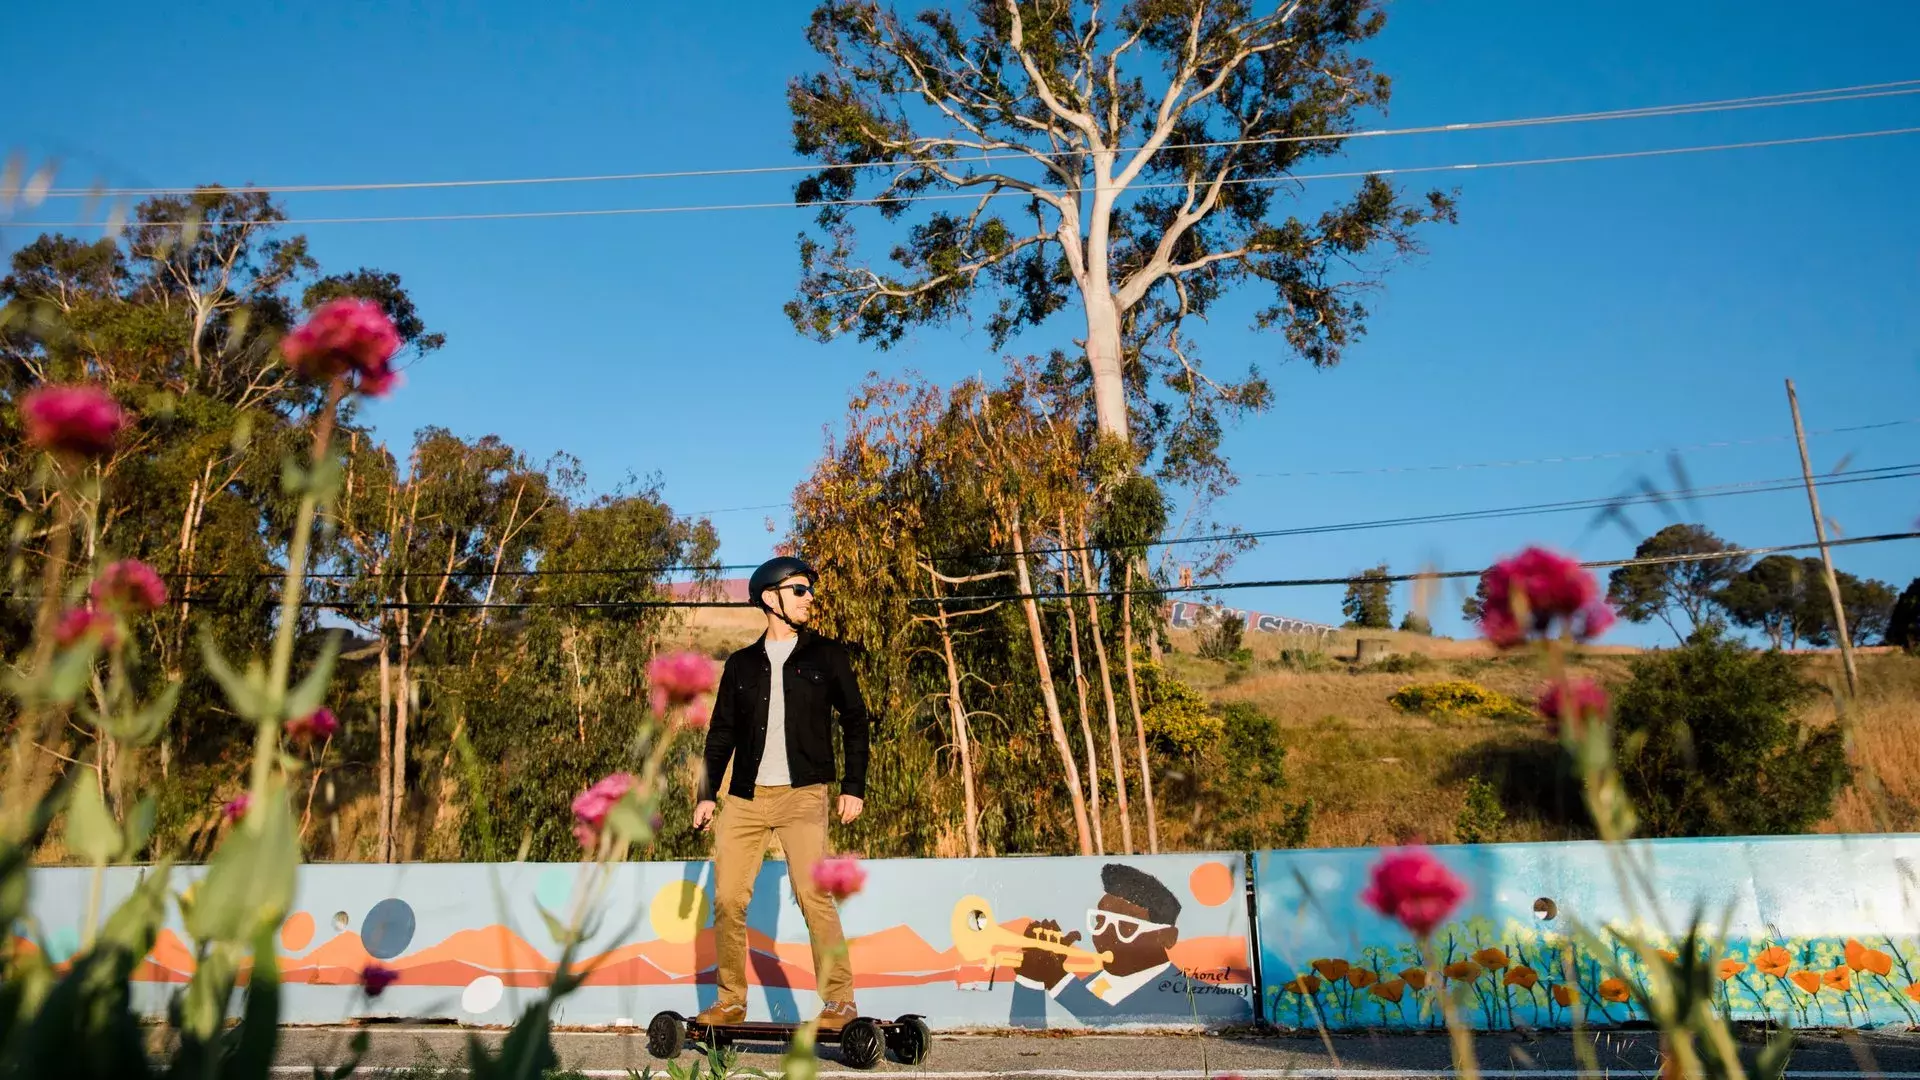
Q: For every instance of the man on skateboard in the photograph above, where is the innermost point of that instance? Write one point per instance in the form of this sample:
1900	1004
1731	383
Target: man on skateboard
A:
773	720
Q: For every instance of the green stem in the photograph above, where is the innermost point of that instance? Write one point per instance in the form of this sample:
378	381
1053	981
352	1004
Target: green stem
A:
93	904
28	733
267	735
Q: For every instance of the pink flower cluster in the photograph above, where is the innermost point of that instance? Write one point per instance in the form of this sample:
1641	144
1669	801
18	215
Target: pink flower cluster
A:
79	622
346	336
682	680
1536	590
590	807
1411	886
83	421
131	585
1578	700
839	877
376	977
317	726
236	807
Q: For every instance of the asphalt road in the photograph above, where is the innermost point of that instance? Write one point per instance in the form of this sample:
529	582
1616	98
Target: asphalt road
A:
1894	1056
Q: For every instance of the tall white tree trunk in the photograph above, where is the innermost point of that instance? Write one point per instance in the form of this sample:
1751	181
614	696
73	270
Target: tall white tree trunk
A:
1139	726
1105	356
1106	692
402	707
1054	723
385	766
957	706
1080	697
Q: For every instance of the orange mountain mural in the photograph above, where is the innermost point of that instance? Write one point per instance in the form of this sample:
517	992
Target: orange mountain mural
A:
896	956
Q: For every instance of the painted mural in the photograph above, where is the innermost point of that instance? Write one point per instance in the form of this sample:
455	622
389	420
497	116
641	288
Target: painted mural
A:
1821	932
1148	941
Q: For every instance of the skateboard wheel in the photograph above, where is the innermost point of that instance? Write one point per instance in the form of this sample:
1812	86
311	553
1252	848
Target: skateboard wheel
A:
910	1040
861	1043
666	1035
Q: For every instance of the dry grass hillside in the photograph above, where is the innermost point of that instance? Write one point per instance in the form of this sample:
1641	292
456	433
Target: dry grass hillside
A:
1380	775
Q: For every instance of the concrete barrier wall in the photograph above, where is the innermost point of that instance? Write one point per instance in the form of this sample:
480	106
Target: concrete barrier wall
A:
1821	931
940	938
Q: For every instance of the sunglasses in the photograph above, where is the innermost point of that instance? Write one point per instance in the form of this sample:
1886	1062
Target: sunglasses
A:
798	589
1125	927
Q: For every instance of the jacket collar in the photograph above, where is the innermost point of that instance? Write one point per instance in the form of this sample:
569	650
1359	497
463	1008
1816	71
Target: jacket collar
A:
803	638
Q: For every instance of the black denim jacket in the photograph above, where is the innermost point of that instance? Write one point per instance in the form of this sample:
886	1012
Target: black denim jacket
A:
819	682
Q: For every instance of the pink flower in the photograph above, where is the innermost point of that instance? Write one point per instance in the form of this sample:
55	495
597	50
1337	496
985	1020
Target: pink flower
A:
1532	591
698	714
1579	701
678	679
315	726
80	622
80	420
1413	887
375	978
346	336
236	807
590	807
131	584
839	877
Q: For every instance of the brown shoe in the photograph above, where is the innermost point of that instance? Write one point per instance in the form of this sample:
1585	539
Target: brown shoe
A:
836	1015
722	1012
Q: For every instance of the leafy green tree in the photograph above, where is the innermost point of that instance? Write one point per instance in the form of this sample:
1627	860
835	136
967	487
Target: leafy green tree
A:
1415	623
1368	604
1671	591
1709	742
1246	775
1903	622
1781	597
1475	606
1868	603
1129	164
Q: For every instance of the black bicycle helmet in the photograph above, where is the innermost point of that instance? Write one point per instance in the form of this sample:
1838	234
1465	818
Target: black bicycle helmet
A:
773	572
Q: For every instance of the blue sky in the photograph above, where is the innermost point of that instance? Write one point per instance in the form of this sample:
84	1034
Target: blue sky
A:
1575	310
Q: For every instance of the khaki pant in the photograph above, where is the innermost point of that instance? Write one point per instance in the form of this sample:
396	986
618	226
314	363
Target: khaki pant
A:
798	816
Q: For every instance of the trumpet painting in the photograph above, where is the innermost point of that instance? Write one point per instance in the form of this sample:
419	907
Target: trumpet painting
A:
1136	941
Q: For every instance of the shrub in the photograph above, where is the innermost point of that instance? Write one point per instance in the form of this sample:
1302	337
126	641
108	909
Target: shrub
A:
1246	775
1177	719
1481	816
1456	698
1303	660
1398	664
1416	623
1708	743
1219	636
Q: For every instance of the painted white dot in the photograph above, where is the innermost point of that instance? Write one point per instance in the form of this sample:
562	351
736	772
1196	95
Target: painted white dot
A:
1326	879
482	994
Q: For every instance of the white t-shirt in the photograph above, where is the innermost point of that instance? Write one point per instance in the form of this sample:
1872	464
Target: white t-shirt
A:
773	762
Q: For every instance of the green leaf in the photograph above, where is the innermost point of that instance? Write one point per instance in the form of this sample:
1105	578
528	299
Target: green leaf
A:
293	478
312	690
629	821
246	693
144	725
140	822
250	879
259	1032
556	928
71	670
135	924
17	858
357	1049
204	1007
91	831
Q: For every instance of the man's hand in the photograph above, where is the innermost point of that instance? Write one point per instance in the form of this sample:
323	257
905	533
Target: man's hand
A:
702	814
1045	966
850	807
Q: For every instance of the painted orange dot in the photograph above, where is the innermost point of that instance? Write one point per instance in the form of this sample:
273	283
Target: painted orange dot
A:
297	932
1212	883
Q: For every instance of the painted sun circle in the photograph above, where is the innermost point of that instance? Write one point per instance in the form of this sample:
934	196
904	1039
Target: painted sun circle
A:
679	911
1211	883
297	932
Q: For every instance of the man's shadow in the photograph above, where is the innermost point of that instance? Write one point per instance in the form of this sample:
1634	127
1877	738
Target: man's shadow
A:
763	918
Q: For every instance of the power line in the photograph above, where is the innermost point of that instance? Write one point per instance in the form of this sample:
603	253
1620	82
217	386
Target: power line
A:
1574	458
1761	101
1075	594
1748	487
1001	193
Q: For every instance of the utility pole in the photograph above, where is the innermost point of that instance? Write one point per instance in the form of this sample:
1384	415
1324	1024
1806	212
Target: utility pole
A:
1826	556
